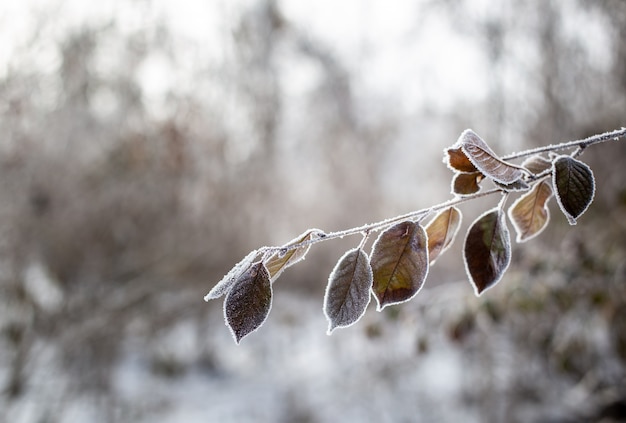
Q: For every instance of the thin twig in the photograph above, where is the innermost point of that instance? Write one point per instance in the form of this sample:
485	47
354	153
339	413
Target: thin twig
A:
422	213
372	227
594	139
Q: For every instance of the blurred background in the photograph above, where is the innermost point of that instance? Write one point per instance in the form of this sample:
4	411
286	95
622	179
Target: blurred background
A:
146	146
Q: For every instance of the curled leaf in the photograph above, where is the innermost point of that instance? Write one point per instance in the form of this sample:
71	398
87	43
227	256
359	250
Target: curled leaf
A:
486	160
530	213
487	250
456	160
399	263
441	232
278	262
466	183
348	290
517	186
575	186
249	301
536	164
223	286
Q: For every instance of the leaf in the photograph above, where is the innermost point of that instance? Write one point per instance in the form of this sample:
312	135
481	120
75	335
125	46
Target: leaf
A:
536	164
441	232
529	213
399	263
466	183
575	186
486	160
348	290
249	301
223	286
518	186
278	262
487	250
458	161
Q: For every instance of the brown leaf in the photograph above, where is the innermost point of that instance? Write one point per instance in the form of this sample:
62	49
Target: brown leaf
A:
278	262
348	290
400	263
536	164
487	250
441	232
575	186
249	301
517	186
223	286
529	213
458	161
466	183
486	160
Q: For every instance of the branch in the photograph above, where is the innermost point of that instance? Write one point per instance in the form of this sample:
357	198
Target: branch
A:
594	139
403	253
422	213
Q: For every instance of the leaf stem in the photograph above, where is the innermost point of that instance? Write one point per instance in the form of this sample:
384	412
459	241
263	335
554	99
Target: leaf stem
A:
366	235
502	203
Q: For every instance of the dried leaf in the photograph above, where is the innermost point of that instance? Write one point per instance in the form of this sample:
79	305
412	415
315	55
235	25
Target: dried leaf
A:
278	262
457	160
400	263
441	232
348	290
466	183
486	160
518	186
223	286
536	164
249	301
529	213
575	186
487	250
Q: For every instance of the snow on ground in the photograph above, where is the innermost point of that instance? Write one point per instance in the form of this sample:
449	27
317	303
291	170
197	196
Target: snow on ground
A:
290	370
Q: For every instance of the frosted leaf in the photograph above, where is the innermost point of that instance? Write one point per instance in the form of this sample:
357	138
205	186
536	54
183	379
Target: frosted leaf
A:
399	263
286	257
574	186
456	160
223	286
348	290
536	164
466	183
486	160
518	186
249	301
441	232
487	250
529	214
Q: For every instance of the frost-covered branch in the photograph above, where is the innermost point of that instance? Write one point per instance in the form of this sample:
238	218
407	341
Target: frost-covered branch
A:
422	213
399	262
584	143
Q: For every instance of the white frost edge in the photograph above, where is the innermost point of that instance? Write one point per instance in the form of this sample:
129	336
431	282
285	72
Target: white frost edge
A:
454	234
232	332
331	328
224	285
571	219
486	147
378	307
518	230
314	234
537	157
508	242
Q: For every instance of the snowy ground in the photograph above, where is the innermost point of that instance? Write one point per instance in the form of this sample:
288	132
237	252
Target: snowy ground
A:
292	371
422	361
